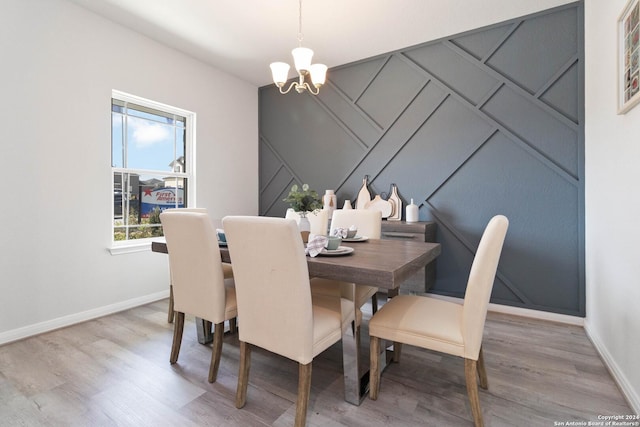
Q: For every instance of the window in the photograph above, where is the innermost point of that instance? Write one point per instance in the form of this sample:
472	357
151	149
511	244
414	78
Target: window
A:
152	164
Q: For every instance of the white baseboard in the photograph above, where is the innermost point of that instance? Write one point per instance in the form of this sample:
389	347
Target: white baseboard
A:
72	319
618	376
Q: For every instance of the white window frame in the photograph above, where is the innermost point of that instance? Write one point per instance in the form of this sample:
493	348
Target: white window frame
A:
138	245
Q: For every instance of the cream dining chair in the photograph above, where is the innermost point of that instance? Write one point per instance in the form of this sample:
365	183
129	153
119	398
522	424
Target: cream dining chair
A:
197	275
226	268
272	285
369	224
444	326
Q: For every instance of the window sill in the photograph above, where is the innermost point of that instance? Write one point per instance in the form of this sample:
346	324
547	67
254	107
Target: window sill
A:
130	247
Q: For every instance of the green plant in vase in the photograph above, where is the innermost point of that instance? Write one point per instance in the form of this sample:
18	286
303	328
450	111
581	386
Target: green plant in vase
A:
303	201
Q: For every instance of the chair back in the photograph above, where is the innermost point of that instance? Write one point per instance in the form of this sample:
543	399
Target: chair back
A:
195	263
480	284
318	219
369	222
272	285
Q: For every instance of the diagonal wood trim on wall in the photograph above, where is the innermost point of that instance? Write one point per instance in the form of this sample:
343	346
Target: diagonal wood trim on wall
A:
486	122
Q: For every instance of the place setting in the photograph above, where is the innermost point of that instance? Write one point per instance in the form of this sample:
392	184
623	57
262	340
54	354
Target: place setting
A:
349	235
326	246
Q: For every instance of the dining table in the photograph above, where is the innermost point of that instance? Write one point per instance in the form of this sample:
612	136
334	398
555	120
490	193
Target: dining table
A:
381	263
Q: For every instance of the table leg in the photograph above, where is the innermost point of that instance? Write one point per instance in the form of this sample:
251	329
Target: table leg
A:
356	376
203	328
353	385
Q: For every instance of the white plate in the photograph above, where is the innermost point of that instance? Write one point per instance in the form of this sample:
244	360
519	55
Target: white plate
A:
356	239
342	250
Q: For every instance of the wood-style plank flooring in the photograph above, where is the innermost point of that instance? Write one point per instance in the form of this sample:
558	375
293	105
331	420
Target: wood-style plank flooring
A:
115	371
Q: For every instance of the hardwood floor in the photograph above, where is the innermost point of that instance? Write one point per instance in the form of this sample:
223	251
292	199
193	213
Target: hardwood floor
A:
115	371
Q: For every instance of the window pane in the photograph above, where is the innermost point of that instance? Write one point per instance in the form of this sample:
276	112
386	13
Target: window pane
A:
150	145
117	148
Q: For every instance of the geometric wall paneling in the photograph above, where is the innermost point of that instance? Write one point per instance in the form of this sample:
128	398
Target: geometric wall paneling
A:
363	130
554	95
396	83
352	81
488	121
462	75
524	57
502	178
553	139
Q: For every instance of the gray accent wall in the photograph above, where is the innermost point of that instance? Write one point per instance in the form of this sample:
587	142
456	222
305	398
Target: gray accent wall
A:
482	123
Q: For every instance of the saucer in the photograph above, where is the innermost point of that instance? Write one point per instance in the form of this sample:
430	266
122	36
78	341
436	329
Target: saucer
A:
342	250
356	239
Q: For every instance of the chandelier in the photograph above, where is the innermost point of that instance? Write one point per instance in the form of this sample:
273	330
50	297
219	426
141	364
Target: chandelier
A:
302	61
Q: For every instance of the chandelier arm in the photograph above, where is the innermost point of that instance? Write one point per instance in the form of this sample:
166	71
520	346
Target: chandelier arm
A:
311	90
294	83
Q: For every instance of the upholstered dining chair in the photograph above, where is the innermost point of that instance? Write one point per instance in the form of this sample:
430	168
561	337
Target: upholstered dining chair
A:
318	219
272	286
197	275
226	268
369	223
444	326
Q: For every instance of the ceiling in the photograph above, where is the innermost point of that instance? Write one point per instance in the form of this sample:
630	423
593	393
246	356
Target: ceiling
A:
242	37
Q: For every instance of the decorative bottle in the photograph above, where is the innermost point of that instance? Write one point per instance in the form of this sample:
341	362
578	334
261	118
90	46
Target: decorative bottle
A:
412	212
347	204
396	202
364	197
329	201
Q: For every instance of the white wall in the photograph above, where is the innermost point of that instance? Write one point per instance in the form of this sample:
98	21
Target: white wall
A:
59	66
612	205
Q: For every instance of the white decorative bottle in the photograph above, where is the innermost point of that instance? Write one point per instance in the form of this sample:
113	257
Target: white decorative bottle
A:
364	197
347	204
396	202
412	212
329	201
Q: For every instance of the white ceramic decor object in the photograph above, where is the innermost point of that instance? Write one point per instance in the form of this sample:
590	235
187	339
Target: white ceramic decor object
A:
394	199
379	204
412	212
347	205
329	201
364	196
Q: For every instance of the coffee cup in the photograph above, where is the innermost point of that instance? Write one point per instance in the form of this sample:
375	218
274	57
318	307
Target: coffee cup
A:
351	233
333	243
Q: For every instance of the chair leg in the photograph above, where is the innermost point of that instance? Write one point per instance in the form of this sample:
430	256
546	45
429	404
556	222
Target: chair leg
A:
170	311
470	373
397	351
233	325
374	303
218	334
178	327
374	367
243	374
304	390
482	372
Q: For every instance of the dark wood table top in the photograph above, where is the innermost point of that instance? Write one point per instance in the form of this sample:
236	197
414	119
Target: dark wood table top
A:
381	263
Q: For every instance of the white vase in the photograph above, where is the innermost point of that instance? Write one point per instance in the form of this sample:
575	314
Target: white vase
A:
329	201
412	212
304	226
347	205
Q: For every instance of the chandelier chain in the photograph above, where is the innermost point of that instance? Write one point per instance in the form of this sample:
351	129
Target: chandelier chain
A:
300	35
